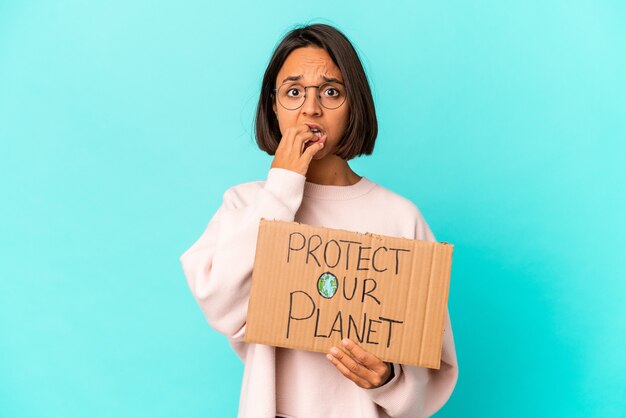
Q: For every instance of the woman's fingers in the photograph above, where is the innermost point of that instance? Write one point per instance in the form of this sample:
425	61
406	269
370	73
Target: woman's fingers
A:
349	368
303	136
291	152
296	136
310	151
360	366
364	357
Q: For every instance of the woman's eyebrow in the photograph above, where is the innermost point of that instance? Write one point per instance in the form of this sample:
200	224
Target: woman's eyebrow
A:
298	77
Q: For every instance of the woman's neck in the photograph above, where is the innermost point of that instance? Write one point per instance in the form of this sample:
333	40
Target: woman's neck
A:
332	171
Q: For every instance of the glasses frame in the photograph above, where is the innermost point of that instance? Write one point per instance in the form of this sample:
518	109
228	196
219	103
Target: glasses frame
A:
319	99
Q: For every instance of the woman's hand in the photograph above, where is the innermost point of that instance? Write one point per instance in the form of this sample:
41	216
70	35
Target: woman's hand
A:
362	367
291	152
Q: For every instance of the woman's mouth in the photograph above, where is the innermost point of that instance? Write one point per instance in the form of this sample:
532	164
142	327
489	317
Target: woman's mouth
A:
317	132
320	137
315	129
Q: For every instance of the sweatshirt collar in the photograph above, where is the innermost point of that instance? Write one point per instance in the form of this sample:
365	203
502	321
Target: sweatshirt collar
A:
328	192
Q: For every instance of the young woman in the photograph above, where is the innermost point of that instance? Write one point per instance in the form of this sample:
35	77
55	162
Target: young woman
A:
315	113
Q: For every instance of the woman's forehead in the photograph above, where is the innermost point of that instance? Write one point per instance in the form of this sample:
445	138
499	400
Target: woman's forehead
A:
309	64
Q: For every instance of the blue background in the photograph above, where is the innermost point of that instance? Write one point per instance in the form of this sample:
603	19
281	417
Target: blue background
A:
122	123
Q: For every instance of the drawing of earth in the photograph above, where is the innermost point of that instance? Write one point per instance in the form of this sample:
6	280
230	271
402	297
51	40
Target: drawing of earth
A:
327	285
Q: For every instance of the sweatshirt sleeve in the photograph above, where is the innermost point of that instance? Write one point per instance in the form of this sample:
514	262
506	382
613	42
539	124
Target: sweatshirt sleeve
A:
419	392
218	266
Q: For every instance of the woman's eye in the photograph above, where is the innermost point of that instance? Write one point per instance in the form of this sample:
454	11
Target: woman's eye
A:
334	90
293	90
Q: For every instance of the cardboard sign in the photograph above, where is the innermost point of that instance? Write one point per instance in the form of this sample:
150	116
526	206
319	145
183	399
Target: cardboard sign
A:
313	286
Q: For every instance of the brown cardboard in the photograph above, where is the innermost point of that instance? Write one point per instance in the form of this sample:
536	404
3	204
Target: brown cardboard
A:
391	293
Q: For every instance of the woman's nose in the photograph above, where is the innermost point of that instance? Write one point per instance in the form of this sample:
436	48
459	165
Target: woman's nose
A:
311	104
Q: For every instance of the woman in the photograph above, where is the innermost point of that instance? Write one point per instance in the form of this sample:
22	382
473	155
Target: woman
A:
315	113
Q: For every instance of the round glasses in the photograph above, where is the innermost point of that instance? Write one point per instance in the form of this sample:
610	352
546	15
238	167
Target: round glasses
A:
292	95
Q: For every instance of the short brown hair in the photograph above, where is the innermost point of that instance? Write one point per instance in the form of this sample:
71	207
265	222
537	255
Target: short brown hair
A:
362	128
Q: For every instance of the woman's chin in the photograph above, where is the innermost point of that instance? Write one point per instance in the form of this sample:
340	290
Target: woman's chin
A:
319	154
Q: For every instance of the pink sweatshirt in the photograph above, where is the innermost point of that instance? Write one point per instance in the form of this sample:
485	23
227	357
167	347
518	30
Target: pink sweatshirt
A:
296	383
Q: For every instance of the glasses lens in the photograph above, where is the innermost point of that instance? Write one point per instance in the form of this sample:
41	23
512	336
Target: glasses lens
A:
331	95
291	96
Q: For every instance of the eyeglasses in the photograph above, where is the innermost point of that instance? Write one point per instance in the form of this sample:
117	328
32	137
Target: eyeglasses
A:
292	95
